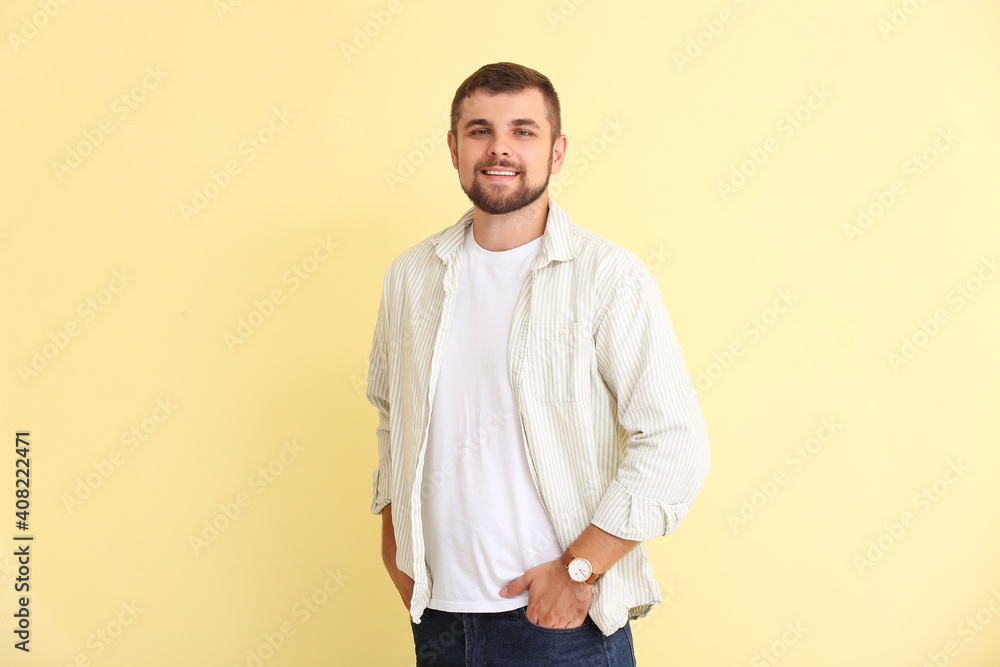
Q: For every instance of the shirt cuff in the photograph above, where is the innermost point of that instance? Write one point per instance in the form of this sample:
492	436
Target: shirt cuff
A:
633	517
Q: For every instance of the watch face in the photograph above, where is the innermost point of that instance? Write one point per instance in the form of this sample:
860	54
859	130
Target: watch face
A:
580	569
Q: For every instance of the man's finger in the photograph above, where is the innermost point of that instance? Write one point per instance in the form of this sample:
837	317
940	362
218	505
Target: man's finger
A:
516	586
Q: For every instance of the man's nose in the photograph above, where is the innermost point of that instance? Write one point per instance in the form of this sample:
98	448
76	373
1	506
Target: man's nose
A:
499	147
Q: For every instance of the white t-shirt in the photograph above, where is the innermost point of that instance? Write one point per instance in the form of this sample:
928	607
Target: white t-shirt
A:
484	524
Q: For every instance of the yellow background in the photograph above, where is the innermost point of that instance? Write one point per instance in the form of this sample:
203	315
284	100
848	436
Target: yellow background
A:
653	187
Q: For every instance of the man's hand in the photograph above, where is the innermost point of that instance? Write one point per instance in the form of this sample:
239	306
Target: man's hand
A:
401	580
404	584
554	600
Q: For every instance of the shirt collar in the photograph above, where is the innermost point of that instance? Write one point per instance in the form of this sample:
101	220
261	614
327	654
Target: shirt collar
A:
558	240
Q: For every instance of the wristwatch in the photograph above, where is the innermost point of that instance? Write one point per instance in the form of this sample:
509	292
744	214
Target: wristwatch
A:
580	569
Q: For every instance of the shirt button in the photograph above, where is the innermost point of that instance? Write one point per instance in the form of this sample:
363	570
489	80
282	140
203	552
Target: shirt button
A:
562	331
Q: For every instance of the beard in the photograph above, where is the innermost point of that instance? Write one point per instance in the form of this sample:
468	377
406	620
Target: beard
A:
500	200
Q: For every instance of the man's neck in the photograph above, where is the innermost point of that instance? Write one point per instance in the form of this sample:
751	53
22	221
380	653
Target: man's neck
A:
503	232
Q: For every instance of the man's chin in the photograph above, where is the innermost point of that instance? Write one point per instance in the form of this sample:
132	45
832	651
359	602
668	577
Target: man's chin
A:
501	199
495	210
493	205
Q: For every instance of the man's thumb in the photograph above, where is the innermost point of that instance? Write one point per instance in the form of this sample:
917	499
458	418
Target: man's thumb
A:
513	588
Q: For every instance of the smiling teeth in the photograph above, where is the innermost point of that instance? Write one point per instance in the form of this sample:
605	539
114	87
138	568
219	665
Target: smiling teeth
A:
500	173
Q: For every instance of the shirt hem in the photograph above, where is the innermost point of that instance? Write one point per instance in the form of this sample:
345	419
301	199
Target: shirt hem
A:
479	607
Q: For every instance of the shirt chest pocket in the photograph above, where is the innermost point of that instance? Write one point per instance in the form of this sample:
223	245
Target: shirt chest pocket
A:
558	362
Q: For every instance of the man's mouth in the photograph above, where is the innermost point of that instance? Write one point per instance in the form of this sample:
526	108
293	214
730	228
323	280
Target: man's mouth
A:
499	174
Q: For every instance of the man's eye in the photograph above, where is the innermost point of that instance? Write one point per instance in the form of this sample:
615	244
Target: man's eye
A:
526	132
477	131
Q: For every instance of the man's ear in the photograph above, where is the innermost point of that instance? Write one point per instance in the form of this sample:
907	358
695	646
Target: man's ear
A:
453	147
558	153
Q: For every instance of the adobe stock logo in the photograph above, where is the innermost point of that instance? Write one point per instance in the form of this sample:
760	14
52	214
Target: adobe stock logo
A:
895	530
967	629
104	468
562	12
779	648
231	511
407	163
249	149
797	457
899	17
668	591
122	107
47	10
303	610
698	43
914	167
223	7
455	460
704	378
101	639
364	35
88	310
787	126
265	308
963	292
581	157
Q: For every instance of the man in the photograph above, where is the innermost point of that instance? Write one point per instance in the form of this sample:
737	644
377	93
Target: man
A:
536	419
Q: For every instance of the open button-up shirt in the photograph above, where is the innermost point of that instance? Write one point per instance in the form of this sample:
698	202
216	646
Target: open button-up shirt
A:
613	431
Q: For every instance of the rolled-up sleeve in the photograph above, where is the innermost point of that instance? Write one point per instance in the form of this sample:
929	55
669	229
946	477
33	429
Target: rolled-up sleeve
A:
378	395
667	454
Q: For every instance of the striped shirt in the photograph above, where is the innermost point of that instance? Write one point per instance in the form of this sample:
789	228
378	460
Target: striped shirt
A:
613	431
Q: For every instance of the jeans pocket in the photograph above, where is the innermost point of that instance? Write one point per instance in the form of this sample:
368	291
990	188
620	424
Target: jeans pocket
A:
522	642
587	623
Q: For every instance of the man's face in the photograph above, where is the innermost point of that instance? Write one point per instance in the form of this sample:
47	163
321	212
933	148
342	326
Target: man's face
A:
506	132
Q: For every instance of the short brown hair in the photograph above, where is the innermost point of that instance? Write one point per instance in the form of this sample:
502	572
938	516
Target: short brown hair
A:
508	78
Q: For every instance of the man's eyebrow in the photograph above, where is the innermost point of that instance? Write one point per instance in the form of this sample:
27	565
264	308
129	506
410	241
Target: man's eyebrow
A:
516	122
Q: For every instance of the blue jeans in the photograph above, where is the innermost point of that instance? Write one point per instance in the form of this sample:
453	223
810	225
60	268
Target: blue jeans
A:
509	639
